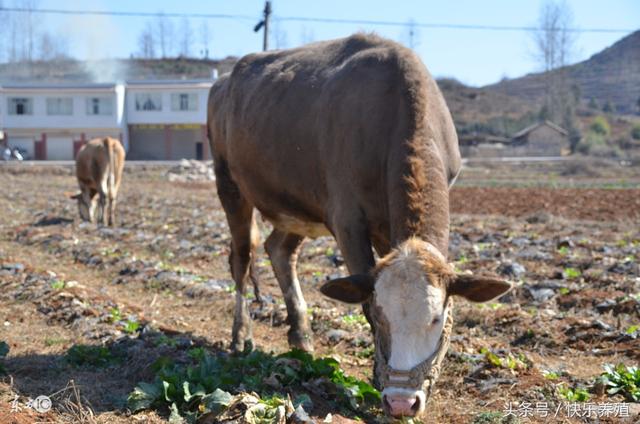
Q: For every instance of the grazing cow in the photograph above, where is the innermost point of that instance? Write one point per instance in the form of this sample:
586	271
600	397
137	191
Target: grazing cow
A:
350	138
99	167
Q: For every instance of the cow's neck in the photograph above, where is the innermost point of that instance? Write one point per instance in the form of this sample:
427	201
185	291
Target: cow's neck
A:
420	208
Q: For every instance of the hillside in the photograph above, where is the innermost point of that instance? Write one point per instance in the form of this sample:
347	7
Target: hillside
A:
612	75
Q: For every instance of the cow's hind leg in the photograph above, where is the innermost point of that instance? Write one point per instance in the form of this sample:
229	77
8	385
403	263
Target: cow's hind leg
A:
283	250
112	209
244	237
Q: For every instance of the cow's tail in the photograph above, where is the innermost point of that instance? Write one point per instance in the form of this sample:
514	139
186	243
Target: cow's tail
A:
111	167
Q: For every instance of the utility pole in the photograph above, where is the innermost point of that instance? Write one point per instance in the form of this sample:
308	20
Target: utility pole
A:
264	23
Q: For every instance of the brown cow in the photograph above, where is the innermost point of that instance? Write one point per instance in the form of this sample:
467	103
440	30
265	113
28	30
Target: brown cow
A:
99	167
350	138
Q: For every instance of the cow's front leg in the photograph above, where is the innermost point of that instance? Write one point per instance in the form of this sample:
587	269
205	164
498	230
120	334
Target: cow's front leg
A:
354	242
283	249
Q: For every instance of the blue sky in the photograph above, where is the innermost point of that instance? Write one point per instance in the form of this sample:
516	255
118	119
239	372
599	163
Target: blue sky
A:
475	57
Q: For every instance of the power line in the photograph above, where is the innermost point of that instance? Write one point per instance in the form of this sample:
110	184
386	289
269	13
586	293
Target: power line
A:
303	19
126	14
439	25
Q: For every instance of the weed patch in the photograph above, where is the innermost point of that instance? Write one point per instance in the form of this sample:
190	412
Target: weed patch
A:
205	385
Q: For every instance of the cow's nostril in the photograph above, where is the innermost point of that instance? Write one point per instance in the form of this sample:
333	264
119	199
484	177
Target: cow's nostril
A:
401	405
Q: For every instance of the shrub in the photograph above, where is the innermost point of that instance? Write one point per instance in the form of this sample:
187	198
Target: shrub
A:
608	107
600	126
590	142
635	132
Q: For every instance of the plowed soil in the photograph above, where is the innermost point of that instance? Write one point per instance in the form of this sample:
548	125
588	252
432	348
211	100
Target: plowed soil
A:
572	253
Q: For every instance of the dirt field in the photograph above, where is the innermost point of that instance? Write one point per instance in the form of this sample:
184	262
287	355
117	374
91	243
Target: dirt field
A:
573	252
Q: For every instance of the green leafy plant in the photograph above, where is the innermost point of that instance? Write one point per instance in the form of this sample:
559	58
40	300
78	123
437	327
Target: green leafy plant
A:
131	326
573	394
115	315
550	375
57	284
355	319
563	250
571	273
87	355
189	389
509	361
622	379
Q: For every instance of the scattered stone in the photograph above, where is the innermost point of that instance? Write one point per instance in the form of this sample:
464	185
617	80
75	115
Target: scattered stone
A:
335	335
511	269
15	267
300	416
541	294
191	170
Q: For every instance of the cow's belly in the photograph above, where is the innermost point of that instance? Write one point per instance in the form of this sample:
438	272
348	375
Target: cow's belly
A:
291	224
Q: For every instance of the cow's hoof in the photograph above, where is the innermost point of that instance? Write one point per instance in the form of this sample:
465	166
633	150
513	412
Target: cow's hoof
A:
239	346
300	340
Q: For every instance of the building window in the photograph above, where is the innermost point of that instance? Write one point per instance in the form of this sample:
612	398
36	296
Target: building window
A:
148	101
59	106
99	106
184	101
20	106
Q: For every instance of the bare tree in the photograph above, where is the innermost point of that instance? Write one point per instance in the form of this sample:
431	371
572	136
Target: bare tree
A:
205	39
307	35
186	38
164	30
4	30
146	43
47	47
555	43
554	40
279	36
27	29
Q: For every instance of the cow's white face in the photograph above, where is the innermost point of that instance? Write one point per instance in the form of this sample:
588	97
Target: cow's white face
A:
406	297
414	310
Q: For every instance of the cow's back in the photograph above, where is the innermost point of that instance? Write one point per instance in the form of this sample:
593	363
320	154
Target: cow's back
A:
92	161
304	130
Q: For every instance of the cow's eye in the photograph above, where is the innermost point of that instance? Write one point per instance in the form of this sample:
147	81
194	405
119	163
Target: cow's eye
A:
435	321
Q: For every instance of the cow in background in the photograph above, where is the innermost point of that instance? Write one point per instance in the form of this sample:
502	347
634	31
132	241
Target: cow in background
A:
99	166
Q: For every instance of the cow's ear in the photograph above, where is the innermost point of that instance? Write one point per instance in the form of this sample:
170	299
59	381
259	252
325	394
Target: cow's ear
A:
477	288
352	289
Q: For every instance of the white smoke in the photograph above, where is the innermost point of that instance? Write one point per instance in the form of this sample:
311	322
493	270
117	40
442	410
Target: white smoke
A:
94	38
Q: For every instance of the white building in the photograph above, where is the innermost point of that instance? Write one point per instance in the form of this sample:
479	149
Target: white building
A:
54	121
155	120
167	119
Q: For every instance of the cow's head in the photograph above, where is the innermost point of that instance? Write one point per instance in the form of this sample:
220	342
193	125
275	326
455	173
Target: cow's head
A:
84	206
408	298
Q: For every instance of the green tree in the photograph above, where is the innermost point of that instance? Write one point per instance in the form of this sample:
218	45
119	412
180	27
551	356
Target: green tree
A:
635	132
600	126
608	107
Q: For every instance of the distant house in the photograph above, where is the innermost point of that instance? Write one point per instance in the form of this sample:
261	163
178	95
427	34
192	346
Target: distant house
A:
166	120
541	139
52	121
155	120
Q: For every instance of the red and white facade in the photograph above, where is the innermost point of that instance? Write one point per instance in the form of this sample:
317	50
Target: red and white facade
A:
166	120
52	122
155	120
